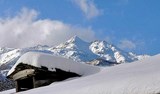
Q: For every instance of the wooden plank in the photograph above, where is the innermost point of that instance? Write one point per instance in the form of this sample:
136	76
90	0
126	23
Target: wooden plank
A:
23	74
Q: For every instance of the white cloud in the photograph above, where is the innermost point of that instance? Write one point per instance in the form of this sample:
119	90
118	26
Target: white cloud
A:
24	30
88	7
127	45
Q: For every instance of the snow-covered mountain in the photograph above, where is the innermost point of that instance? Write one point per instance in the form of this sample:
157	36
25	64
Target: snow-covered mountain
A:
76	49
9	56
4	50
81	51
5	83
110	52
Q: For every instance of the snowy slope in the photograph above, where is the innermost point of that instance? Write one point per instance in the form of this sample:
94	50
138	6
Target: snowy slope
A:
10	56
4	50
141	77
76	49
110	52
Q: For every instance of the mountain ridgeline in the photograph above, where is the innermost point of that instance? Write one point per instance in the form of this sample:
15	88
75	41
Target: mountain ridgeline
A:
81	51
94	53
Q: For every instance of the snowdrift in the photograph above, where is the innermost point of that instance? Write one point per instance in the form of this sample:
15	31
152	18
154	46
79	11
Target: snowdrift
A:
141	77
38	59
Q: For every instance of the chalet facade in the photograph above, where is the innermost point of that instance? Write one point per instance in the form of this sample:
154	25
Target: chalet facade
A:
27	77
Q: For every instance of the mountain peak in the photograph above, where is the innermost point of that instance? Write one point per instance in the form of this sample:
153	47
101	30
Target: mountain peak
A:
75	39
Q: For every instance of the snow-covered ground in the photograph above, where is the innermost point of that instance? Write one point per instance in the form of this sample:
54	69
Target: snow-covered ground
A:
140	77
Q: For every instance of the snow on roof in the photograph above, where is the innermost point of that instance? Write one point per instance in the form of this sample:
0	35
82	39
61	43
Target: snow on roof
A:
141	77
38	59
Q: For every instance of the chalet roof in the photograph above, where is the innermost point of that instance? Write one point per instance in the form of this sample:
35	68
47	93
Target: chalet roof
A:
52	62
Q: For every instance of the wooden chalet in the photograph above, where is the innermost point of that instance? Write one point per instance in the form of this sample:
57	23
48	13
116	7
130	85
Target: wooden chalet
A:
27	77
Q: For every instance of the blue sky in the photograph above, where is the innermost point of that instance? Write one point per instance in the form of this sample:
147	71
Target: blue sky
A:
133	25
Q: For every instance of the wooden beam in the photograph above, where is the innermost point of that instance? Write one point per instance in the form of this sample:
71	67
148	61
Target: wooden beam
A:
17	86
23	74
34	82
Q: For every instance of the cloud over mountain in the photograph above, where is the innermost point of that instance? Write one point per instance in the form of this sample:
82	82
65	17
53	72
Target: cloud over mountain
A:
25	29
